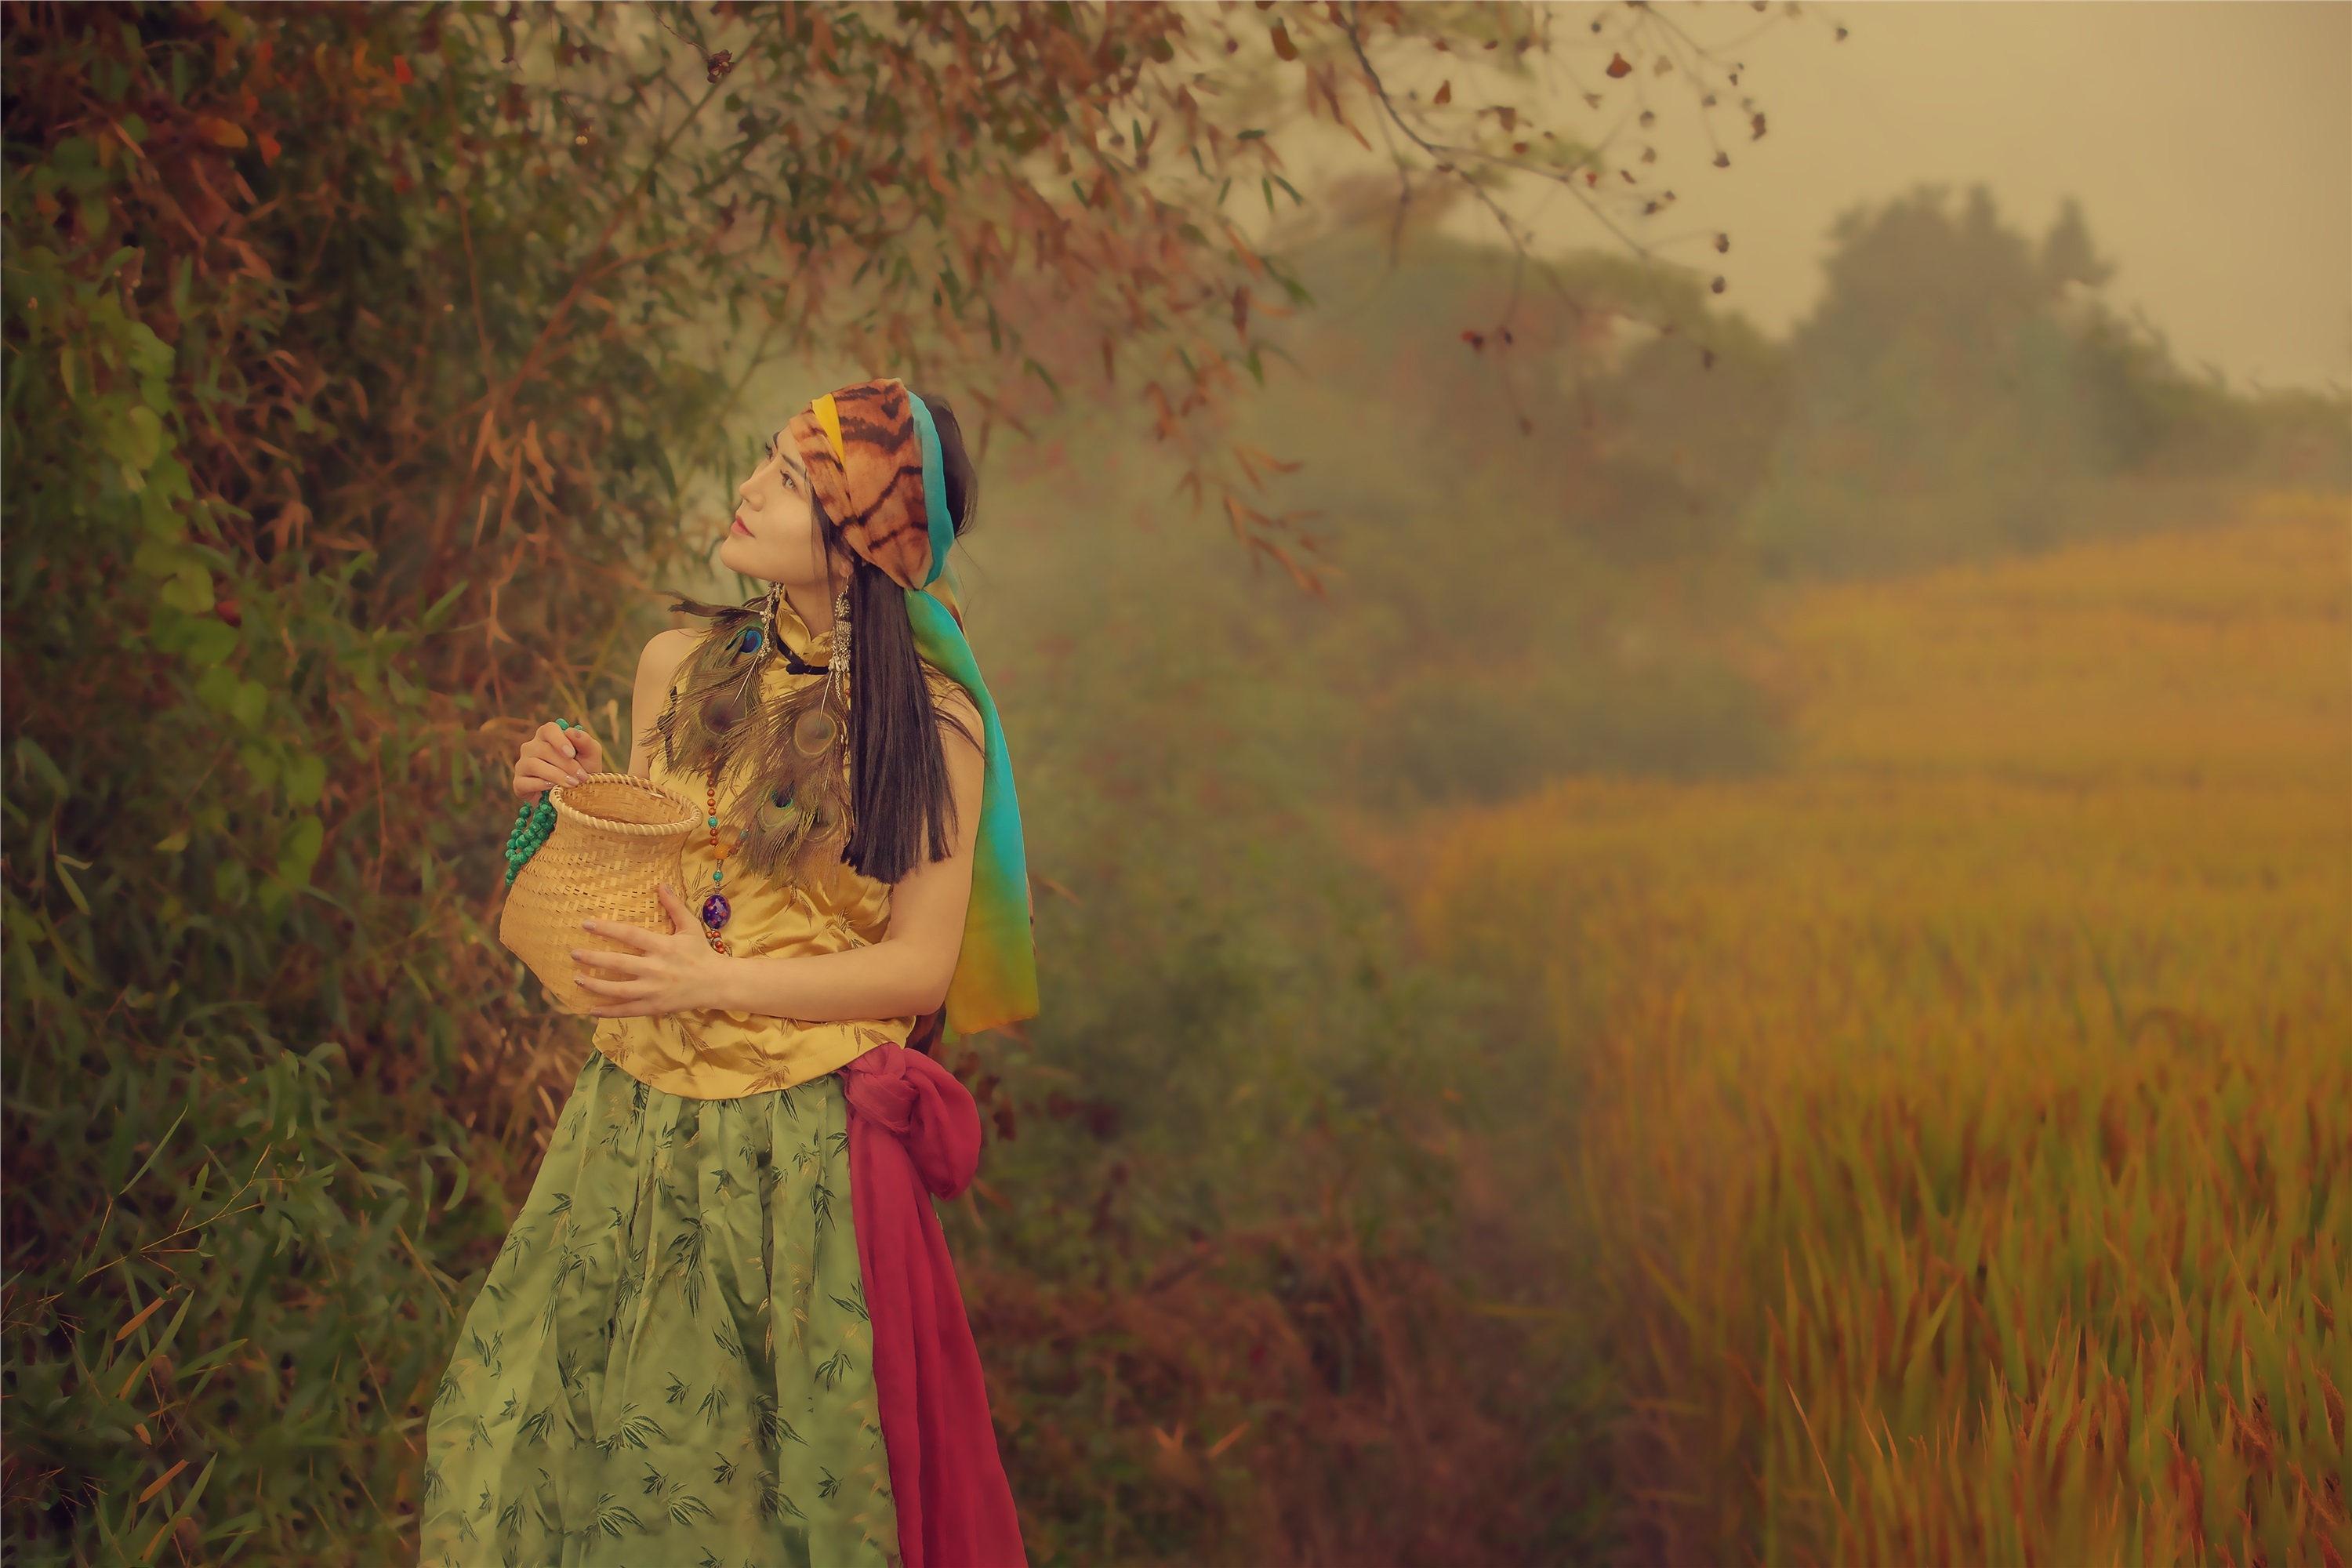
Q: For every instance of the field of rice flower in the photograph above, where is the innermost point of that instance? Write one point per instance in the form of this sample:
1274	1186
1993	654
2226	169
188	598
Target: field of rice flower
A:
1960	1122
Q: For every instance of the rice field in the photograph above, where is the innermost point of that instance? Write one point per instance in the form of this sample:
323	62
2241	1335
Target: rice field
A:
1960	1123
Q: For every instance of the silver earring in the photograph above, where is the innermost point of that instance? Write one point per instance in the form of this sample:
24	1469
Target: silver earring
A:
836	673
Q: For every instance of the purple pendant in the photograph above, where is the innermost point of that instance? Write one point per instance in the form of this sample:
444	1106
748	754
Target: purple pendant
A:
715	911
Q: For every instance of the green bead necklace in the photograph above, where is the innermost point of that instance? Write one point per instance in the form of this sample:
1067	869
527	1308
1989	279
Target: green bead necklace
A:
533	823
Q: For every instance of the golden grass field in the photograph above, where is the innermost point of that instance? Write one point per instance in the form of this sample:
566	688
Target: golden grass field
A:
1961	1128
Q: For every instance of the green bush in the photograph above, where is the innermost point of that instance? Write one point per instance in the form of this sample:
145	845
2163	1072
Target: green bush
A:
266	577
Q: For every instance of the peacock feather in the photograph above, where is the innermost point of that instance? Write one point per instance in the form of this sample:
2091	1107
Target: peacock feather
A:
773	739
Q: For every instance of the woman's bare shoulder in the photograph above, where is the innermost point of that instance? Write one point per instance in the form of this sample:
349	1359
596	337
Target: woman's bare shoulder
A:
950	701
663	655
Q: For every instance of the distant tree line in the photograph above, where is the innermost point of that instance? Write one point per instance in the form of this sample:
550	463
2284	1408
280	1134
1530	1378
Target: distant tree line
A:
1961	390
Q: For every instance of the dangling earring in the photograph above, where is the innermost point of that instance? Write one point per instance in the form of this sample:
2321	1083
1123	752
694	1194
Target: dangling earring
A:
836	674
755	640
768	615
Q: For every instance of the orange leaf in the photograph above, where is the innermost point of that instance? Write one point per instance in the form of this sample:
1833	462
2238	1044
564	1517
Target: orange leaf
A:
1258	458
538	459
1249	257
145	1312
269	148
162	1481
220	133
1282	43
1445	92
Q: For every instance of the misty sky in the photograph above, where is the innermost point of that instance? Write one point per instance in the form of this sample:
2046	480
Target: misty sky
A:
2210	144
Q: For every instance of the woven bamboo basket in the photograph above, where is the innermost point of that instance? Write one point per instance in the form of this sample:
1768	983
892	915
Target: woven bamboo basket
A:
616	839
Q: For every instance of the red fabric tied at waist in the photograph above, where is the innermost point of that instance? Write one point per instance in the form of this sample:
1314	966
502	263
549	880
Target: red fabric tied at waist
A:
912	1127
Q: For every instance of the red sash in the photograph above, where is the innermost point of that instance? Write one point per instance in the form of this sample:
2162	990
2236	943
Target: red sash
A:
913	1127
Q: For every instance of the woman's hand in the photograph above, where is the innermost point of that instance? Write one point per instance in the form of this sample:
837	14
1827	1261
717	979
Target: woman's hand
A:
553	757
661	974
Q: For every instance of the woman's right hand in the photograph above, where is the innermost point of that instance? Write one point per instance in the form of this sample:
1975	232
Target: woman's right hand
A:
556	756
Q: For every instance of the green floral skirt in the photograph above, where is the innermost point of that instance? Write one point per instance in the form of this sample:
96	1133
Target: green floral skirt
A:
669	1364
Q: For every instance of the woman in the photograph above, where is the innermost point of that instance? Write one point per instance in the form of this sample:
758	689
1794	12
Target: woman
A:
724	1329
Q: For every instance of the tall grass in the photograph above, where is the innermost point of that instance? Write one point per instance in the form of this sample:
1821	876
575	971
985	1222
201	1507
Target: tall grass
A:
1962	1125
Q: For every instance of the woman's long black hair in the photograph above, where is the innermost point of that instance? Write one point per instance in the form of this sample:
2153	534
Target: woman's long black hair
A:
900	802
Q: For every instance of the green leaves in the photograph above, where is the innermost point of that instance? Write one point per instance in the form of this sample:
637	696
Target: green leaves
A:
306	777
35	766
200	638
299	851
66	880
186	583
439	610
247	601
222	690
150	357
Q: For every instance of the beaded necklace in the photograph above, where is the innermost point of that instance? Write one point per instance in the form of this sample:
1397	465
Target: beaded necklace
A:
534	821
757	640
715	910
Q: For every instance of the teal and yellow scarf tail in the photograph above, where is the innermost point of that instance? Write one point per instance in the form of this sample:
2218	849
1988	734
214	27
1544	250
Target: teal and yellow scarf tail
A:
996	974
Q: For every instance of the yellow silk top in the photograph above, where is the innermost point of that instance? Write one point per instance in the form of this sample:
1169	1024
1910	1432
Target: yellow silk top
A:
719	1055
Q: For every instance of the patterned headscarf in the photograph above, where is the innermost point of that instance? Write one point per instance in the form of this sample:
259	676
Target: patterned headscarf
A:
872	457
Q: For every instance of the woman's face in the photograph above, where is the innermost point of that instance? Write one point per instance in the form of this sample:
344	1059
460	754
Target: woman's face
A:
773	534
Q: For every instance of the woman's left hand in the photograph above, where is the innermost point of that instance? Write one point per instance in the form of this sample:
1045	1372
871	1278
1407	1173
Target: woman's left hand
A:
661	974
